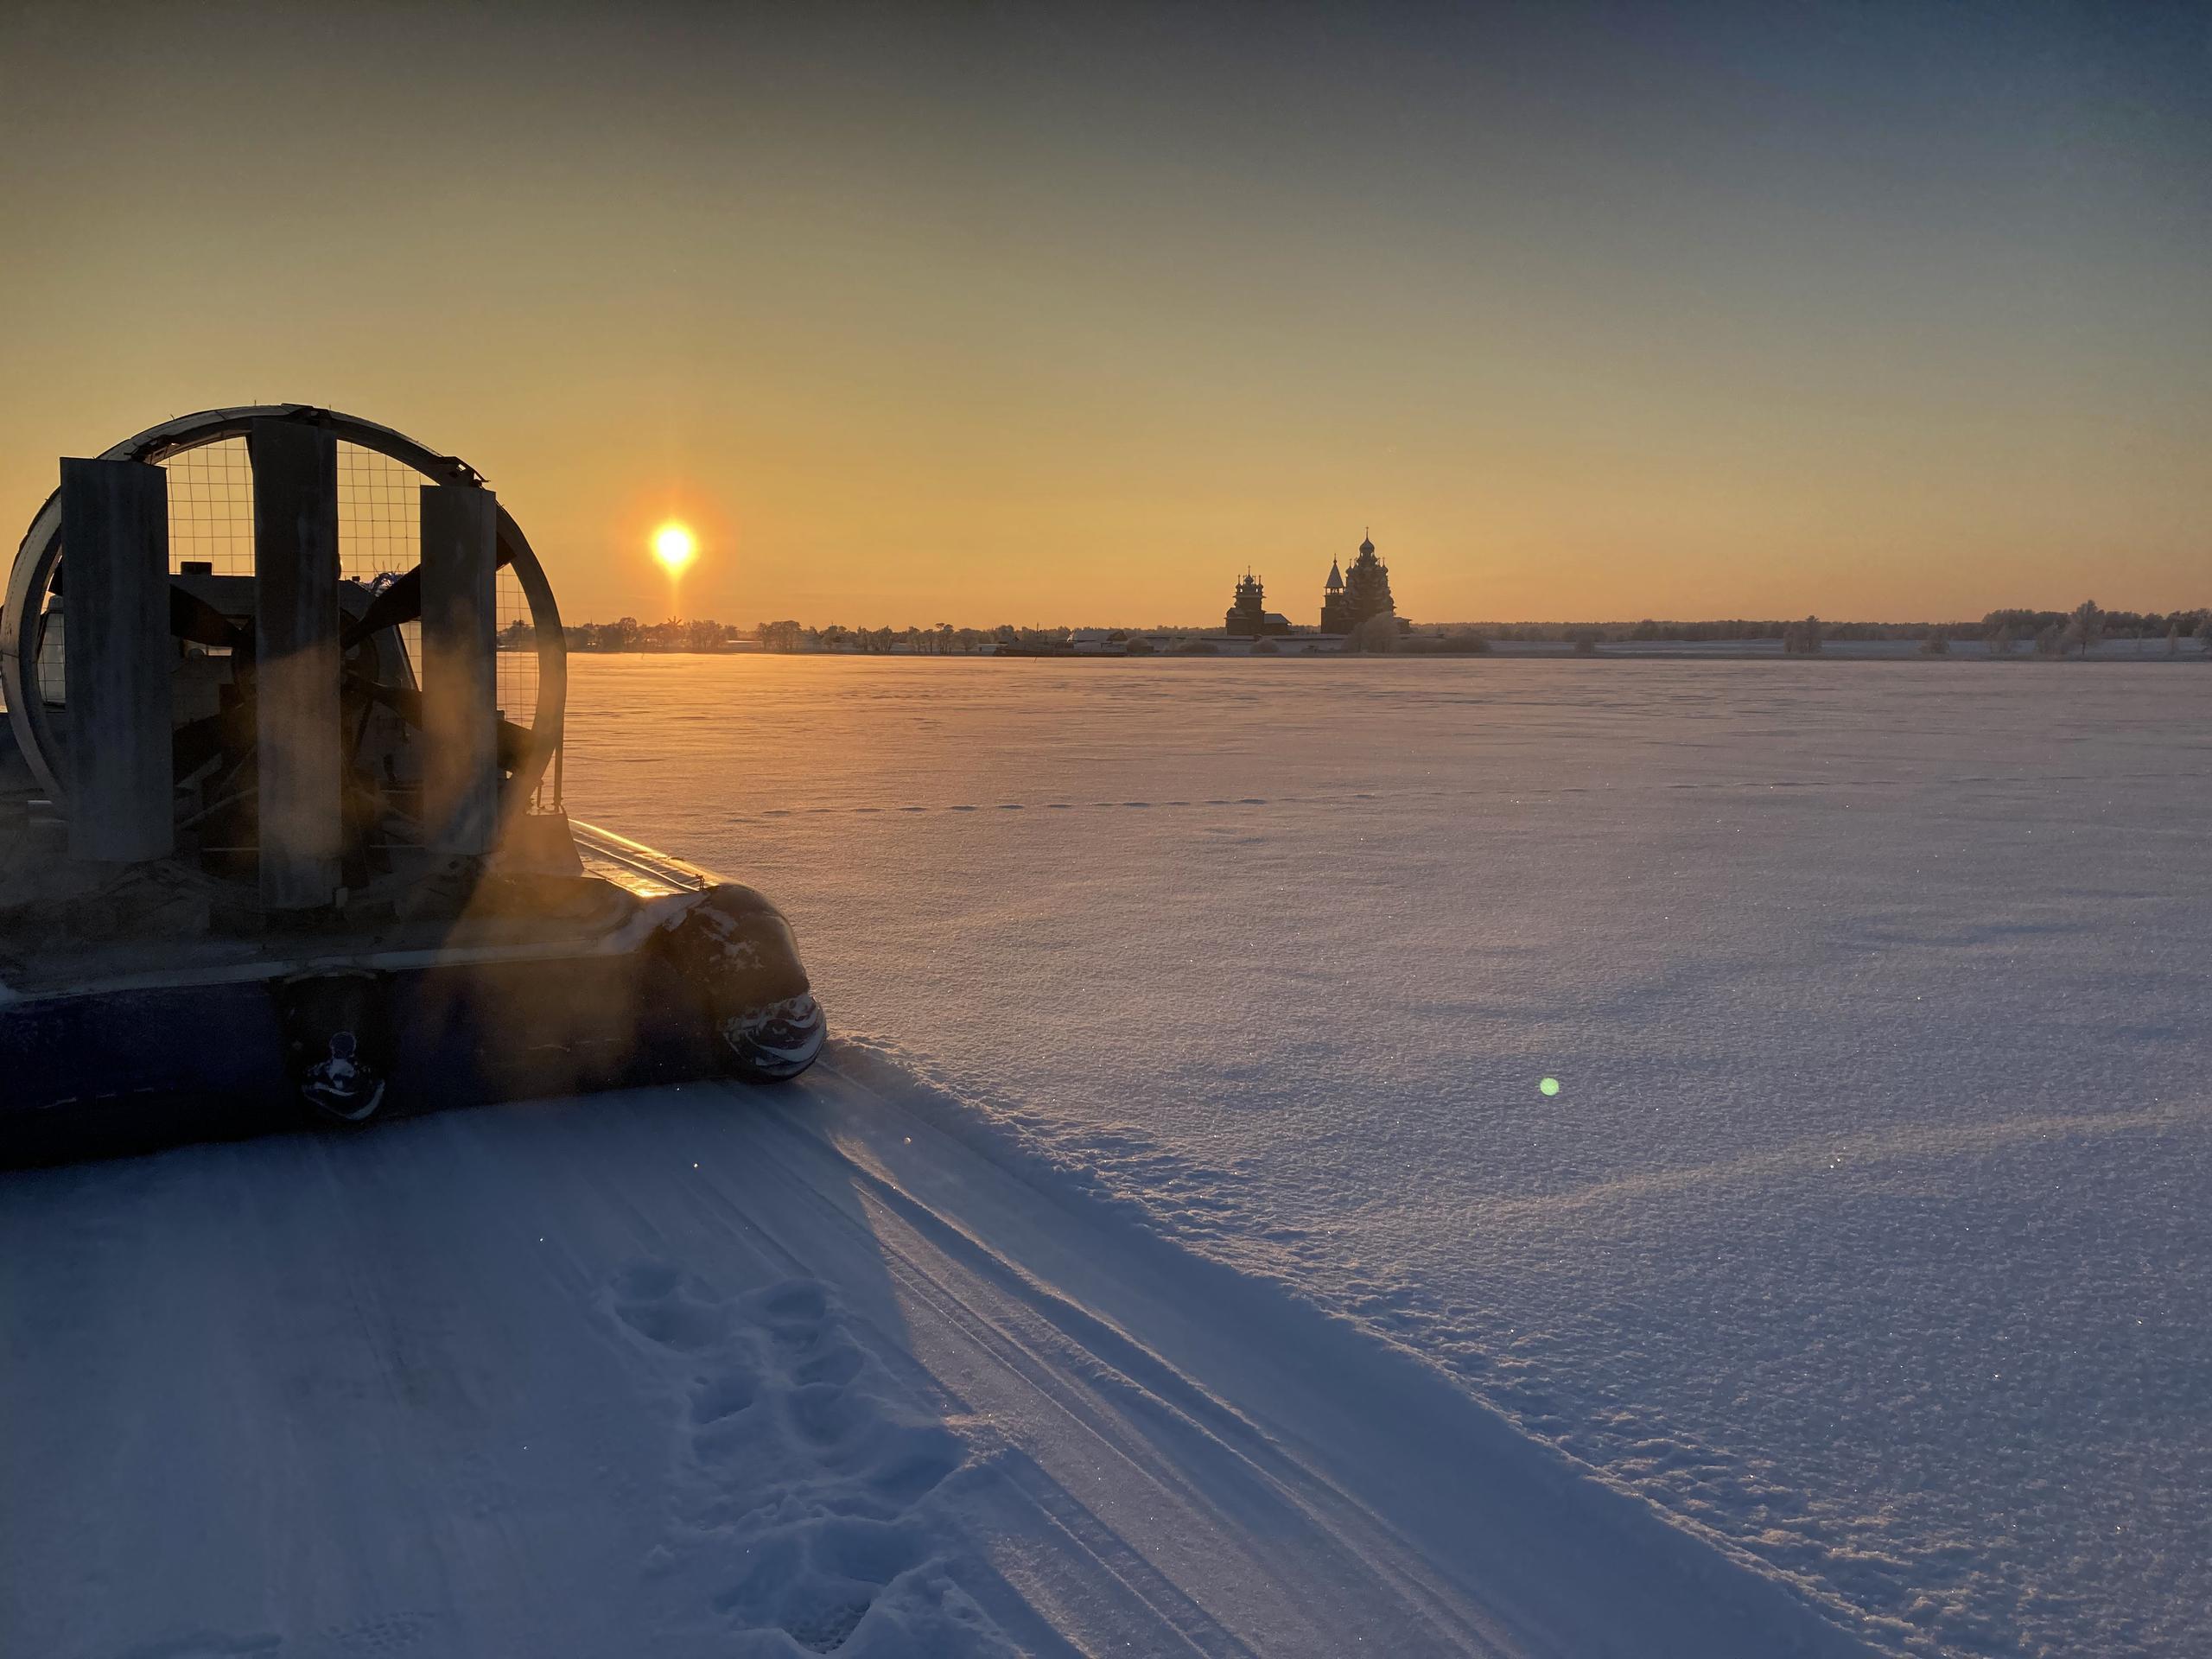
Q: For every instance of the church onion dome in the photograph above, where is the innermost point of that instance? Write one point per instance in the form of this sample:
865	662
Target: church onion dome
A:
1335	578
1366	546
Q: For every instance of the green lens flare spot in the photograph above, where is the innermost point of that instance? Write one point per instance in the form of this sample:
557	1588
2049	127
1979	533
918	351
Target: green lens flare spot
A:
1550	1085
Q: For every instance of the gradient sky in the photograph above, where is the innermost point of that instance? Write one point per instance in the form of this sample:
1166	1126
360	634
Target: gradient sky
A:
985	313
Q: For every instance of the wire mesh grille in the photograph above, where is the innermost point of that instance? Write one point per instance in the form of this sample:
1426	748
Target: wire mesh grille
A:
380	526
53	657
517	668
380	533
211	508
379	514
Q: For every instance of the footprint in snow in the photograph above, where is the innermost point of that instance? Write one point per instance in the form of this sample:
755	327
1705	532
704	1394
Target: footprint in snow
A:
825	1414
805	1468
718	1397
664	1307
796	1307
837	1362
817	1580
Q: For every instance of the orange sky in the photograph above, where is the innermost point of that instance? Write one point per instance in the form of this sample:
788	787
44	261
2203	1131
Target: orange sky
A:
921	317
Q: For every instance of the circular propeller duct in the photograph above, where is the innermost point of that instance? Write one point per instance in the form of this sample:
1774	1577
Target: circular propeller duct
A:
212	615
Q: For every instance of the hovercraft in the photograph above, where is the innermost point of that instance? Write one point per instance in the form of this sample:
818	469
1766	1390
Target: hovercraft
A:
282	835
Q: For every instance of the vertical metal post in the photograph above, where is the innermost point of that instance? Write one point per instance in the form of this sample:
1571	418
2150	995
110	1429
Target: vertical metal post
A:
118	660
460	722
298	728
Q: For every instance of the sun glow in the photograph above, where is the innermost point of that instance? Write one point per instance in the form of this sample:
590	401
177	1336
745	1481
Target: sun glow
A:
675	547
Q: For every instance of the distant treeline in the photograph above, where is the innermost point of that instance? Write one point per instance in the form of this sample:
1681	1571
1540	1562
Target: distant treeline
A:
705	634
2048	632
2024	625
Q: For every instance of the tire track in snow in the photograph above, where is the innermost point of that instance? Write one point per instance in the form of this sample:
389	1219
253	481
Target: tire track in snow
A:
1490	1541
1165	1429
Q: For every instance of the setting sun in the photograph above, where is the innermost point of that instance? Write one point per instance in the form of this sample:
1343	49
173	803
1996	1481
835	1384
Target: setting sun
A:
675	547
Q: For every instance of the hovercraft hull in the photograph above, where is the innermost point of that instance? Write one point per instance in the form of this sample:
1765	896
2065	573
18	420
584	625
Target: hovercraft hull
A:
662	984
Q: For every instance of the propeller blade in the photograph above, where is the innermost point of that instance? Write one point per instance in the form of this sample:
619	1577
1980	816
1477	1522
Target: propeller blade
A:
401	602
514	744
408	702
193	744
193	618
514	741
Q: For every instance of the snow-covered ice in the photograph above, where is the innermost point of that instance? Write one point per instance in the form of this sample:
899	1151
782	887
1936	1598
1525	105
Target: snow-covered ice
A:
701	1371
1176	1252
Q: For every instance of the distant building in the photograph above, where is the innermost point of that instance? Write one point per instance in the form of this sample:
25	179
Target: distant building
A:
1348	599
1248	616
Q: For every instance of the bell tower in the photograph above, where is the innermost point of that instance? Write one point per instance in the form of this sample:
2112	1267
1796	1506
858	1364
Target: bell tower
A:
1247	610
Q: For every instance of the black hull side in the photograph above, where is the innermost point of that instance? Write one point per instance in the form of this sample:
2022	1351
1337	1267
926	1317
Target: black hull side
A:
122	1071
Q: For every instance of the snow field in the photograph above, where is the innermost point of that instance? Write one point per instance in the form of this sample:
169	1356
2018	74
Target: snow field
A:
1177	1253
714	1370
1855	1239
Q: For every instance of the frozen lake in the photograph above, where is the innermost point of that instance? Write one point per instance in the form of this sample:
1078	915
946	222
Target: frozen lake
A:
1866	1233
